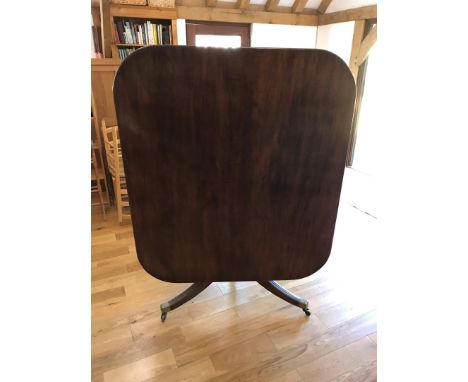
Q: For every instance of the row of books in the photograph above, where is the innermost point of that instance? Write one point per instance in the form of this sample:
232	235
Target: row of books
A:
141	32
125	52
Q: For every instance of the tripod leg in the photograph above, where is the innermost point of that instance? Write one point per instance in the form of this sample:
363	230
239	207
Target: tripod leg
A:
182	298
286	295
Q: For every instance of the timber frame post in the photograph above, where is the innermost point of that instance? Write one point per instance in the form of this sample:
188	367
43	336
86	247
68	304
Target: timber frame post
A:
364	38
105	29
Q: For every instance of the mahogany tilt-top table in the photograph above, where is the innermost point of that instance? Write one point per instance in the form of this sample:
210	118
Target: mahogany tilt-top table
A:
234	161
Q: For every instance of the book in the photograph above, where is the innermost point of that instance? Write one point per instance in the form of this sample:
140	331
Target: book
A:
127	34
120	31
150	32
144	32
116	35
134	38
141	34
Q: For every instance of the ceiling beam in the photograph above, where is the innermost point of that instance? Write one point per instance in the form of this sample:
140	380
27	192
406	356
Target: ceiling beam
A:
298	6
323	6
271	5
142	11
366	45
363	13
242	4
243	16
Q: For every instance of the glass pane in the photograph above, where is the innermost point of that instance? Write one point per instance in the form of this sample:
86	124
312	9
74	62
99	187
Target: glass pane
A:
217	41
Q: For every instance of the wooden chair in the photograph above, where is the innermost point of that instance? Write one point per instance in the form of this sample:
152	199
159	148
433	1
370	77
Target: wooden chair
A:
96	178
116	169
234	161
100	165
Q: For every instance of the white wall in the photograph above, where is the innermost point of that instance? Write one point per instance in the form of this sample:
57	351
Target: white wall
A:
269	35
337	38
283	36
341	5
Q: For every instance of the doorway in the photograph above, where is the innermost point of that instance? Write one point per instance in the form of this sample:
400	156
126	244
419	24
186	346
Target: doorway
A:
218	35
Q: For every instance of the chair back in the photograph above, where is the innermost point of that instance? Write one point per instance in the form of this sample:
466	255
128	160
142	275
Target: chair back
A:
112	148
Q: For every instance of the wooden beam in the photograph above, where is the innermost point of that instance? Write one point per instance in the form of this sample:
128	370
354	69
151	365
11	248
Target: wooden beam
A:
363	13
175	40
208	3
143	12
96	14
95	62
309	11
238	4
243	16
357	38
271	5
242	4
106	31
323	6
366	45
298	6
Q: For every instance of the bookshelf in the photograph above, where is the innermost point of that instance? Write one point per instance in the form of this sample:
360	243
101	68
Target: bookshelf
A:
133	27
103	69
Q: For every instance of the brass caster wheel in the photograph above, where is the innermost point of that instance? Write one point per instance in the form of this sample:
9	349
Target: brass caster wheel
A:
163	316
306	311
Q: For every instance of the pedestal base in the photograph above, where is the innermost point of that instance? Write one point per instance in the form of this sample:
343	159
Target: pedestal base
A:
197	288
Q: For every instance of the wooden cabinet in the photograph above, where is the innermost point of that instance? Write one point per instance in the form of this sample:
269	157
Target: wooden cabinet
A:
102	79
103	70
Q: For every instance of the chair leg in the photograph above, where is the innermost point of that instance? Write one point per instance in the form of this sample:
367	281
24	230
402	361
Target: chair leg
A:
286	295
101	199
118	199
192	291
106	184
98	182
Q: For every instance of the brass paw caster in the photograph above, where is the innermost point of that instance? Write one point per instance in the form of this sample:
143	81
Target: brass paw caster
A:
165	308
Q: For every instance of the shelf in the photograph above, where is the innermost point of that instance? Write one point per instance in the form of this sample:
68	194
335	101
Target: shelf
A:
130	45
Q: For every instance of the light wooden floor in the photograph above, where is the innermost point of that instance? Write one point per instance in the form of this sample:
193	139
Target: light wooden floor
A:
234	331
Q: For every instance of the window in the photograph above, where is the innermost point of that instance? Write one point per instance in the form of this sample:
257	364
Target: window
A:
218	35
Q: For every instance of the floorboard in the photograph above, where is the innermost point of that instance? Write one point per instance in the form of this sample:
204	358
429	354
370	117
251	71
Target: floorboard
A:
235	331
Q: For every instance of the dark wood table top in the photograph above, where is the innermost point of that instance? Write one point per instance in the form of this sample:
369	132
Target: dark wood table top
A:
234	159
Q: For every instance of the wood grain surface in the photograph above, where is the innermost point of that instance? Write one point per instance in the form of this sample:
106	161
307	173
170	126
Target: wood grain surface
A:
234	159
